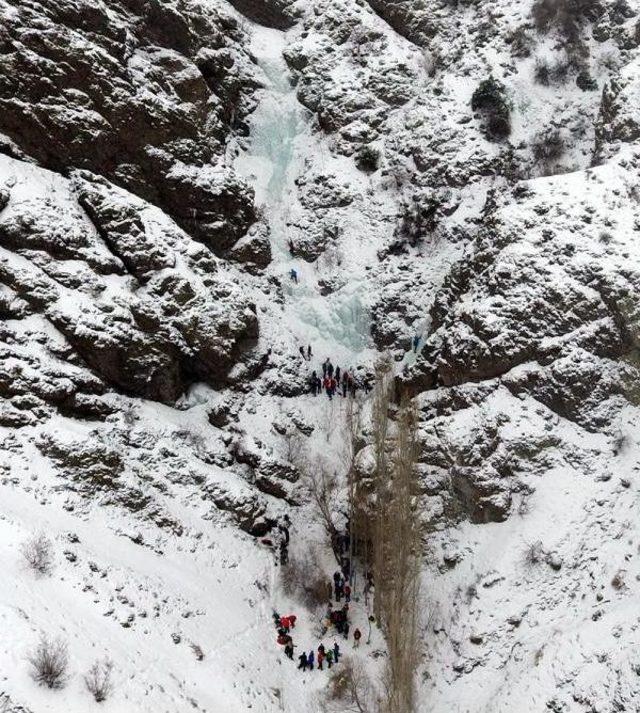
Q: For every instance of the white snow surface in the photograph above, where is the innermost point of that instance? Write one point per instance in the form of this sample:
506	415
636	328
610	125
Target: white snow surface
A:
500	633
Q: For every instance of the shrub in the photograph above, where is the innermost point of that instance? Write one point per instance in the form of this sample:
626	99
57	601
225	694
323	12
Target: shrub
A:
533	553
49	662
520	41
490	100
547	73
586	82
98	680
548	146
38	553
565	15
302	579
368	158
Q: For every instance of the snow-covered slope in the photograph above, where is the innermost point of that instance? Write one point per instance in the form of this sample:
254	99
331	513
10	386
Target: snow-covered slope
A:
465	172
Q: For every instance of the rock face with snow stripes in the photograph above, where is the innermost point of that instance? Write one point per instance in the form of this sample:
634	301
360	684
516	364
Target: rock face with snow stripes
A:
147	90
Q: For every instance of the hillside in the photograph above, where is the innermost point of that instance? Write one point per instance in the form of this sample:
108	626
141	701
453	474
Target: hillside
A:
455	186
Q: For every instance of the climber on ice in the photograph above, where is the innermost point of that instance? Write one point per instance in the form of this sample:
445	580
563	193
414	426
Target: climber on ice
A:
294	276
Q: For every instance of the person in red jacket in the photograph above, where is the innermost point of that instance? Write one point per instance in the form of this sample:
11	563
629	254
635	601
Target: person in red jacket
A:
292	620
285	623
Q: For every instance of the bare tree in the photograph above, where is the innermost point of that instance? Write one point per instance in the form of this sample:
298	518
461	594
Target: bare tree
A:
380	423
49	662
303	579
397	540
295	450
322	484
37	552
350	690
403	540
98	680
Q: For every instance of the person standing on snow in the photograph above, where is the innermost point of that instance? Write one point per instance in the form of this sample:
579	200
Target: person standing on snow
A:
288	650
310	660
325	366
336	652
292	249
345	383
301	350
294	276
329	369
309	352
329	657
303	661
320	656
284	552
347	593
314	383
356	638
338	374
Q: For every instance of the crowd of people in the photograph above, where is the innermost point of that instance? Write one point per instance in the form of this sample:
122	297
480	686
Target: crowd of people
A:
335	380
285	624
336	618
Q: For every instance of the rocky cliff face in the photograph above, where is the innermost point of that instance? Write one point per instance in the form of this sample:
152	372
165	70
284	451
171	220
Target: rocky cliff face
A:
461	172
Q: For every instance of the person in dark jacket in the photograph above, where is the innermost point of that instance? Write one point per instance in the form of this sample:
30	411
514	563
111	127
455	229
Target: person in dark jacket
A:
310	660
346	567
346	380
338	374
336	652
314	383
284	531
330	369
301	350
292	250
293	275
356	638
309	352
303	661
325	366
288	650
